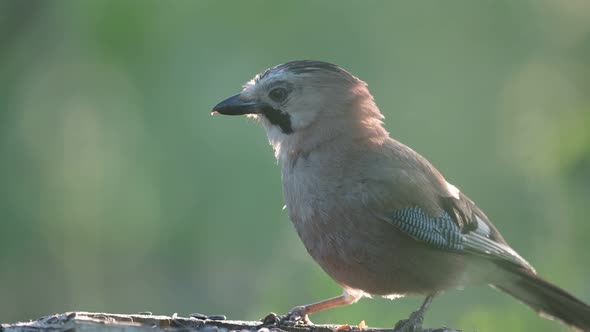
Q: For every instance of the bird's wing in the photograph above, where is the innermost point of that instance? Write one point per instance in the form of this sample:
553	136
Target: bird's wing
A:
414	197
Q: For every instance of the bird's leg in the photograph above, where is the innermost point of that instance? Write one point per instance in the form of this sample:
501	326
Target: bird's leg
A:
298	315
414	322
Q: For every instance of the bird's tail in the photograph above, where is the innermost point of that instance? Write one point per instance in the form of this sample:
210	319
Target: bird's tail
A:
545	298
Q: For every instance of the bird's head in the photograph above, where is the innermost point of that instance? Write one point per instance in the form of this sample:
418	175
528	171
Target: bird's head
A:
304	103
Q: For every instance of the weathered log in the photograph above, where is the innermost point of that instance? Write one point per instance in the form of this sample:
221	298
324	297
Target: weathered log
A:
144	322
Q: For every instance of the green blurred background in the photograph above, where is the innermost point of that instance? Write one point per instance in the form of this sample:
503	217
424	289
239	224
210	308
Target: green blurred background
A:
120	193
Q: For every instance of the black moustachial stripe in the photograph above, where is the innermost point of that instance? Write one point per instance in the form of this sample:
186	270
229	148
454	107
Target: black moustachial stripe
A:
278	118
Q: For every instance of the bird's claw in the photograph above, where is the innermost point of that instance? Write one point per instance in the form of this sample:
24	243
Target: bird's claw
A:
414	324
271	319
295	317
411	324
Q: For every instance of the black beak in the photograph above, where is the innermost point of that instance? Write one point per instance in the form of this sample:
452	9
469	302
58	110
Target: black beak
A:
234	106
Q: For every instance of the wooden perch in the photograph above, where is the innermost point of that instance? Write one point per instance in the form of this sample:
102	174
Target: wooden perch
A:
144	322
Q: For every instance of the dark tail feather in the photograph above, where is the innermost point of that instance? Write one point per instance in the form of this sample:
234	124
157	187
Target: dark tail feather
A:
545	298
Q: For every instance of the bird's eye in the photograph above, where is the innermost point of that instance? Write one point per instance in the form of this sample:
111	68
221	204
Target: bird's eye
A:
278	94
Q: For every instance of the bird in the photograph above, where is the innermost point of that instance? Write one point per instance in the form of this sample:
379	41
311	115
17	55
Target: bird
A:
375	215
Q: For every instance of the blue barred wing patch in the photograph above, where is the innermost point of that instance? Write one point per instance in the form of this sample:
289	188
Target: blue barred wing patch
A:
441	231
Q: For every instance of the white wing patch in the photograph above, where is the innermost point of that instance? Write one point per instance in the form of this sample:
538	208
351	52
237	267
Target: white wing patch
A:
453	191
